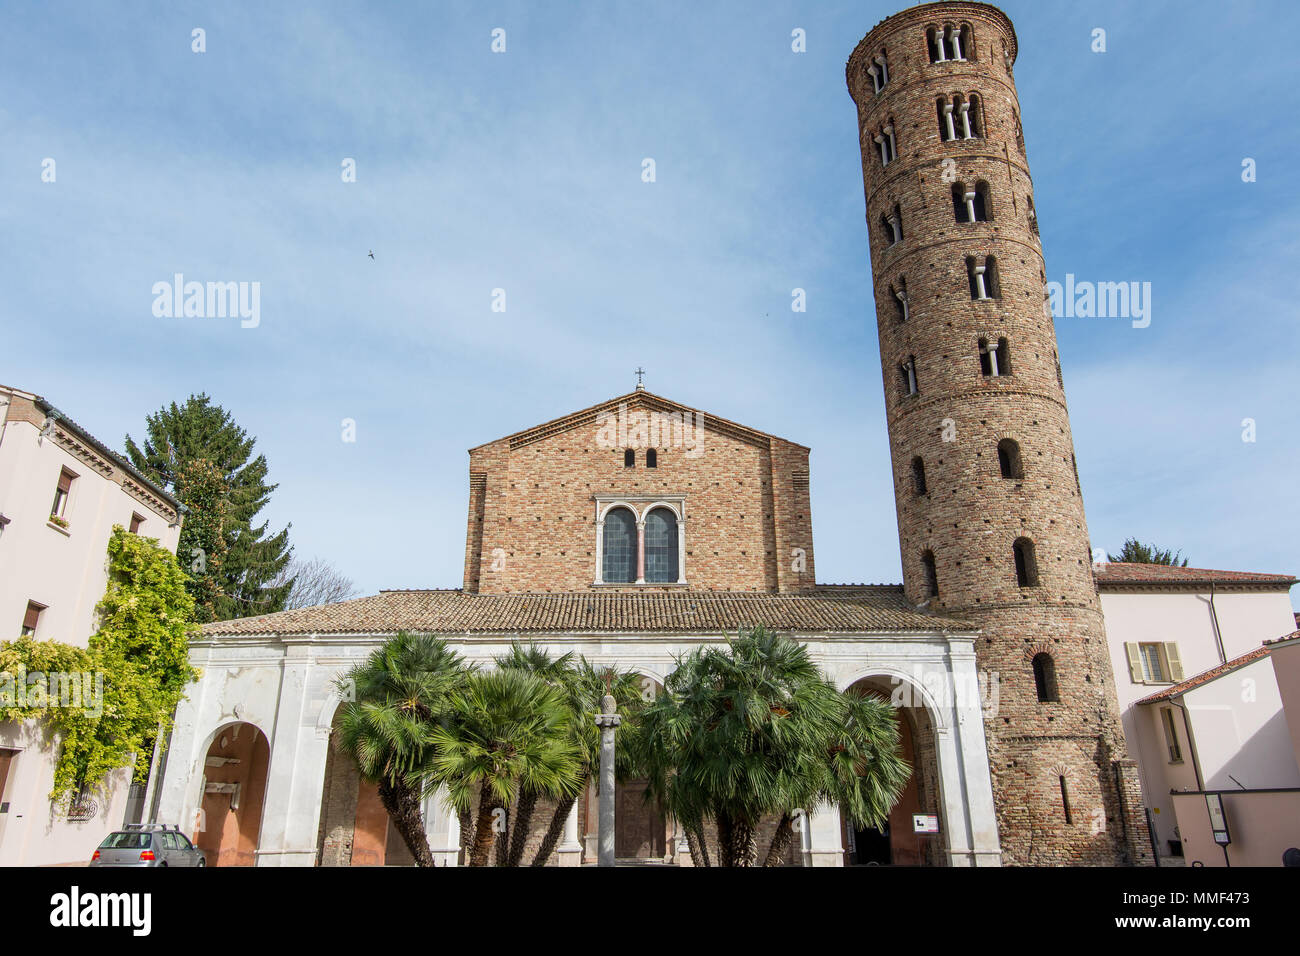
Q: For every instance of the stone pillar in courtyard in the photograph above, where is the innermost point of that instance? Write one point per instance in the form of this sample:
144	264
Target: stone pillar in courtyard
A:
607	722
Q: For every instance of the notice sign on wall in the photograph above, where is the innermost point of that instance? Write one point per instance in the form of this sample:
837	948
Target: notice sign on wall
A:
925	823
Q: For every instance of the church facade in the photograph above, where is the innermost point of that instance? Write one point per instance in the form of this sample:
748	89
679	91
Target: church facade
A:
583	536
639	528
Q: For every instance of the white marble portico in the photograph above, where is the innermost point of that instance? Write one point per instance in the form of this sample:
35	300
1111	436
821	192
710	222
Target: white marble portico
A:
284	686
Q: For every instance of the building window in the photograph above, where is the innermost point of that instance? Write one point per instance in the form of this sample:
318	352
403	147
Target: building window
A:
629	458
907	373
970	204
995	360
1045	678
661	547
891	224
31	618
899	295
1171	735
983	277
918	475
618	562
61	493
1065	798
136	522
931	574
968	122
879	72
1154	662
950	42
651	458
1009	459
1026	566
886	144
1033	216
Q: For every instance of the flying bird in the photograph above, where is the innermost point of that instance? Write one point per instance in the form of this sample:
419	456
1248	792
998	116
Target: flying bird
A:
372	254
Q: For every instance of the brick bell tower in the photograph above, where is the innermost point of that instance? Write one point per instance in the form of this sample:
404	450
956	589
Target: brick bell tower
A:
990	515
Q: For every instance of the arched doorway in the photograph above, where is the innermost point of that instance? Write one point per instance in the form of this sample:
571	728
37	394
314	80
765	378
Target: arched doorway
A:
234	785
355	829
898	842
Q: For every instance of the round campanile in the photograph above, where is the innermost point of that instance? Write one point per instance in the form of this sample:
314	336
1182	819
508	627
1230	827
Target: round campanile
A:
990	514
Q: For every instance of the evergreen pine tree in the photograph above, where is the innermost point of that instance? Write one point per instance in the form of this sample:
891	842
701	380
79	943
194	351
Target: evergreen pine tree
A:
197	452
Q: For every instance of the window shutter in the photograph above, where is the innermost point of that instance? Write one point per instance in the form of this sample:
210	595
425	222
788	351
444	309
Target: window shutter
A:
1174	661
65	482
1134	663
32	616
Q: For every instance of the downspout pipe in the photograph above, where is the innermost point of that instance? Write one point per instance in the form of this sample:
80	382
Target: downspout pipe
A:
1218	635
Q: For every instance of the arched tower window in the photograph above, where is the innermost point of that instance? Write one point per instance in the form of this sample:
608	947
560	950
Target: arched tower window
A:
983	276
618	539
886	143
1045	678
661	547
948	118
629	458
1033	216
995	359
918	475
1009	459
971	204
878	70
970	121
899	295
891	225
907	376
1026	566
931	575
651	458
950	42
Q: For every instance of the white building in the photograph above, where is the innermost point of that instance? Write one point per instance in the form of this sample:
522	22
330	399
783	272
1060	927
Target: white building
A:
1201	704
61	492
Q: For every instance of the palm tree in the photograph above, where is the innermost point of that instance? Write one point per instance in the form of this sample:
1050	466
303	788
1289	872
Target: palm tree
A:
861	771
559	673
584	686
754	730
398	693
506	730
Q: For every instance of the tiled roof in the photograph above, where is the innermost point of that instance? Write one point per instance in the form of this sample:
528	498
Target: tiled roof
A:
863	608
1123	574
1206	676
1294	635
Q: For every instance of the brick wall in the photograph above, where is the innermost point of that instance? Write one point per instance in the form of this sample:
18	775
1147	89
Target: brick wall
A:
746	507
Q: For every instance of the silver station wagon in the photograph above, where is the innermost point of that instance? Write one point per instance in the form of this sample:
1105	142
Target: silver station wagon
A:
147	844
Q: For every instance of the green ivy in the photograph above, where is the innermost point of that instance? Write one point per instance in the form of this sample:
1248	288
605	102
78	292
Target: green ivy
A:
142	652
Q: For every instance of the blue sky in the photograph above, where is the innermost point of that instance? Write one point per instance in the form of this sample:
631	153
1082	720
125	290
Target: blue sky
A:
522	170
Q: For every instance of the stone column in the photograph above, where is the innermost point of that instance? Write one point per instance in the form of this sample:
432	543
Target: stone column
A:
825	845
640	550
607	722
569	852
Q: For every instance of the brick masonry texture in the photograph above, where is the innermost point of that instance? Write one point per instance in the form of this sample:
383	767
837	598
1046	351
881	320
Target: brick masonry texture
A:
533	508
1062	782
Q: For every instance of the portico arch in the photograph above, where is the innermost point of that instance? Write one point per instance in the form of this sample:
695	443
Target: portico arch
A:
230	789
919	722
